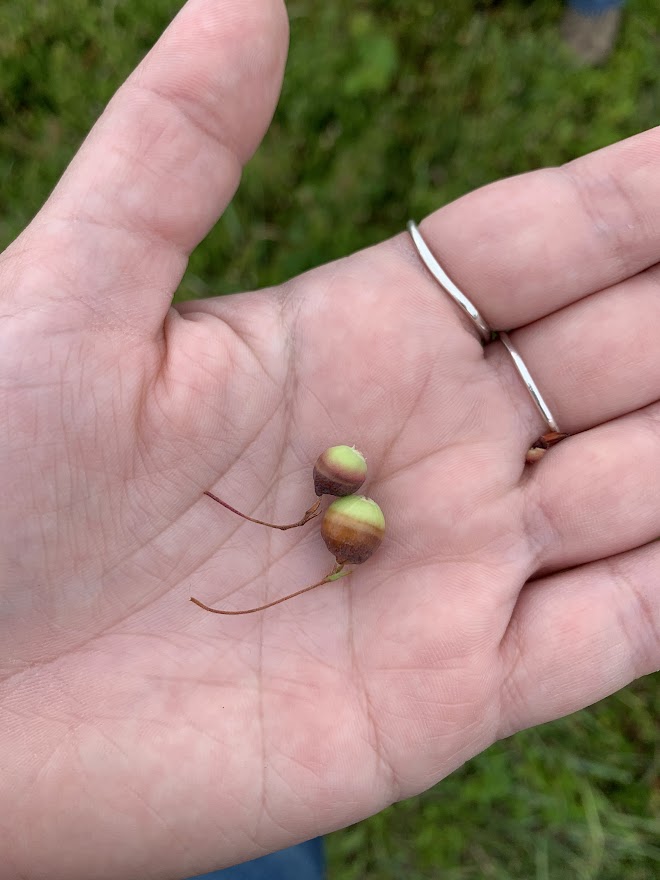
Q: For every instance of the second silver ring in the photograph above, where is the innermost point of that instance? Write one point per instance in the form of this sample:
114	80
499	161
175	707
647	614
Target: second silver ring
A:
446	283
530	384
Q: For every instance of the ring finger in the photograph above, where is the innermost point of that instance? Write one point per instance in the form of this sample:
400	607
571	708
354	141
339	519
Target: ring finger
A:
593	361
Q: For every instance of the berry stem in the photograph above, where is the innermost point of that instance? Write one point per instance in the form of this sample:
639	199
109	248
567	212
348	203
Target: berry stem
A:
337	572
309	514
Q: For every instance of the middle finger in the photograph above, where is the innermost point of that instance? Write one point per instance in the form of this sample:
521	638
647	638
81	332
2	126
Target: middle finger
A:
524	247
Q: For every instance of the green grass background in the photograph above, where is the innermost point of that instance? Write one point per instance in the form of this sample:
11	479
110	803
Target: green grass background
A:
389	110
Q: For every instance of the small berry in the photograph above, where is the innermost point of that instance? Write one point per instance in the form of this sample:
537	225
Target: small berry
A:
340	470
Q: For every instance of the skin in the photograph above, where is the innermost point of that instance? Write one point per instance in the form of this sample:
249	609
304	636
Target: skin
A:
143	737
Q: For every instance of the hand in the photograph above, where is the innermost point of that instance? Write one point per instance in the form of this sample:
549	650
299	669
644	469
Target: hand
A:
141	736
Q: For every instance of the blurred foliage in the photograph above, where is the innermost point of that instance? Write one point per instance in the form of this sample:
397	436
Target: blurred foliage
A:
579	799
389	110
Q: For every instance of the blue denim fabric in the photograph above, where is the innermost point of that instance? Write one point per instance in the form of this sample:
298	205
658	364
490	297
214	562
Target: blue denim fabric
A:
594	7
302	862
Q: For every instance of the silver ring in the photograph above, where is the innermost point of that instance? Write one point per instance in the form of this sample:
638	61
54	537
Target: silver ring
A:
525	375
446	283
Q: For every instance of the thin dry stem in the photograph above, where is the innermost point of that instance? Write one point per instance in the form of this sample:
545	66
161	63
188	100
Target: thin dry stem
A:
309	514
335	574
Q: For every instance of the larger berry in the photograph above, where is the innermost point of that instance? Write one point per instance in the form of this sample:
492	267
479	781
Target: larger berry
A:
353	527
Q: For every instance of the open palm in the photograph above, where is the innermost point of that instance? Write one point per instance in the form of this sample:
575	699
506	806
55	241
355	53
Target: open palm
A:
141	736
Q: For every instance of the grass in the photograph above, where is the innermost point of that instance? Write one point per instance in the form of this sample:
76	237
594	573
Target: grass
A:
389	110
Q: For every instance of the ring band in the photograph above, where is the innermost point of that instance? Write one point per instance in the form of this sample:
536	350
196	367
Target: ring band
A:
530	384
446	283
